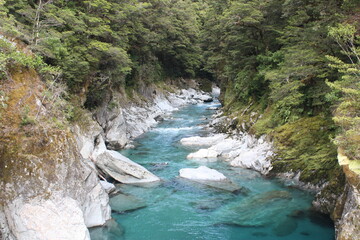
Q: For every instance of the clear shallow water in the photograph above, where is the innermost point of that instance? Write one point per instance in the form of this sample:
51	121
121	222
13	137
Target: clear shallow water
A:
177	209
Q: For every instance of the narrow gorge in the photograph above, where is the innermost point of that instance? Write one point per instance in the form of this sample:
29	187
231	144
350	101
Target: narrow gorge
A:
179	119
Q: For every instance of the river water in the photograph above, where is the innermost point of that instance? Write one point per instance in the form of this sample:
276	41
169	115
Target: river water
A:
178	209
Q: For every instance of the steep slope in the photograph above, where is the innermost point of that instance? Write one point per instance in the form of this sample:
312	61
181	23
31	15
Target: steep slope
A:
44	180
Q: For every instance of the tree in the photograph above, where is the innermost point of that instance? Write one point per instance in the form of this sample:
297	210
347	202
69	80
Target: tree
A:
346	92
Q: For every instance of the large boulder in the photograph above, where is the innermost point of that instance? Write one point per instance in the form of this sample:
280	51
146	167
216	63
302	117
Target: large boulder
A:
54	218
202	141
202	173
96	207
255	156
119	167
203	153
116	131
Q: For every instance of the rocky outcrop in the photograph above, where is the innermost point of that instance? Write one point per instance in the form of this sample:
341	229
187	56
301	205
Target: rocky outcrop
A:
347	211
59	200
257	153
241	150
124	123
56	218
58	194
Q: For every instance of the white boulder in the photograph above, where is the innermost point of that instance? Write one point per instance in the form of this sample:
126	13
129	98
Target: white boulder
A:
202	173
257	158
202	141
225	146
203	153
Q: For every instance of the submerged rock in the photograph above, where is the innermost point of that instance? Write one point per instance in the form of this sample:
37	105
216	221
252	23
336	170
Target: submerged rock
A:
110	230
123	203
285	227
255	211
223	185
202	173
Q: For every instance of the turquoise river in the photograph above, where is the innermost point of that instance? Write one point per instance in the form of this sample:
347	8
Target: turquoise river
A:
178	209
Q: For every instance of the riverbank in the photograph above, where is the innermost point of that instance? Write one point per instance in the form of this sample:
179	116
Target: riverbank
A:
179	208
55	171
336	187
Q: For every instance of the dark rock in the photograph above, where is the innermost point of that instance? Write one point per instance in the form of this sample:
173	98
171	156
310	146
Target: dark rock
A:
159	118
209	99
243	190
320	219
305	233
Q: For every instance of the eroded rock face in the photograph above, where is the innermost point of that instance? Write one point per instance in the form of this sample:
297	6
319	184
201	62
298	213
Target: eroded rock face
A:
56	218
122	124
59	194
347	211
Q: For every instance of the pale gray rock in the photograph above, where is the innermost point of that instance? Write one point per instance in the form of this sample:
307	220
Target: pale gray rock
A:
85	136
202	141
120	167
202	173
109	187
347	211
116	131
56	218
203	153
96	207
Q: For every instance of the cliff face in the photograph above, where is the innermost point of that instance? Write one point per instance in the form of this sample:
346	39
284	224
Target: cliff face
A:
347	210
337	187
49	178
48	190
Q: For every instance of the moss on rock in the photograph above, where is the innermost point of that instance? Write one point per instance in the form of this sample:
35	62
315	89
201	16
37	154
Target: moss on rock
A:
305	145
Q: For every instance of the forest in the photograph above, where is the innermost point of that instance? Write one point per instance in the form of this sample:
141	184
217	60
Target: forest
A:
295	63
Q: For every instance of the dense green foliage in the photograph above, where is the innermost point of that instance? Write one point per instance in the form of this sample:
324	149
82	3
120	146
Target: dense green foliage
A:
106	44
289	60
